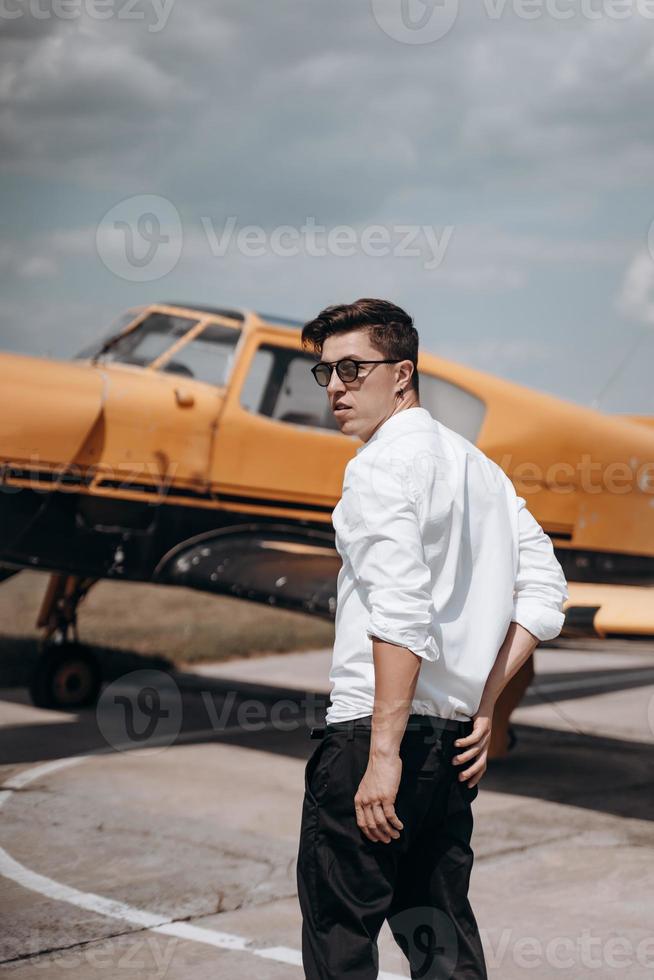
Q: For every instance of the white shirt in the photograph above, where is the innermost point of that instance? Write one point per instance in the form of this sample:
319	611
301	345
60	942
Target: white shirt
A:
439	555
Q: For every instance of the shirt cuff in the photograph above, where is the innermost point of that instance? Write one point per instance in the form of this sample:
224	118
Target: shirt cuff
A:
544	622
423	646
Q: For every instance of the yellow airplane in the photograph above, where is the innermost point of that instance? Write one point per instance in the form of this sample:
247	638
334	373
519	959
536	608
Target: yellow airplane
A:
191	446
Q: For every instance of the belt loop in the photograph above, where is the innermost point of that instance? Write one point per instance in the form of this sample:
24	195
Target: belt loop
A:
350	729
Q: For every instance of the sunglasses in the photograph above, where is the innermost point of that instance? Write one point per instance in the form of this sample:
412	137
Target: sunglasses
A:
347	369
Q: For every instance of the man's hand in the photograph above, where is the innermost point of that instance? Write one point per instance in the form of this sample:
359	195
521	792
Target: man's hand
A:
519	644
475	746
374	801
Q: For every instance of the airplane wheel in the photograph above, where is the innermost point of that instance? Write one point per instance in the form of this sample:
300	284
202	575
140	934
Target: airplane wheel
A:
67	676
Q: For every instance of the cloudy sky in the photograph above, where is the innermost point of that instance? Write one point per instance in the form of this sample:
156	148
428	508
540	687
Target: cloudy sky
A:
488	168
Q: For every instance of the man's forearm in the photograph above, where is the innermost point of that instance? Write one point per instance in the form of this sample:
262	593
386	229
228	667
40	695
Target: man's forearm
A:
518	646
396	674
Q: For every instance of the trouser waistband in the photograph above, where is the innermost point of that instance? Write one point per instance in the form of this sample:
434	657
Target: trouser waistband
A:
415	722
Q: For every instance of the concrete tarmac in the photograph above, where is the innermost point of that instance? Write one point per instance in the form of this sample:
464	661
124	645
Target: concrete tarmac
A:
170	852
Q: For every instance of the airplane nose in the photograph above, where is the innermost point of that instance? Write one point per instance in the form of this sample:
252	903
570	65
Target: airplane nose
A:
48	408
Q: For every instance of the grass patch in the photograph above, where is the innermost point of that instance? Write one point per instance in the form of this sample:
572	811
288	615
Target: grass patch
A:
170	624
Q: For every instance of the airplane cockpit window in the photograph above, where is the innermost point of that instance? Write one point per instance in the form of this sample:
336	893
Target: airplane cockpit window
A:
206	357
455	407
116	328
148	341
280	385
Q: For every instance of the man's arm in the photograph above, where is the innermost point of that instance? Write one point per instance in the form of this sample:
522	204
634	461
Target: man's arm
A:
540	585
517	648
386	552
539	594
396	675
538	597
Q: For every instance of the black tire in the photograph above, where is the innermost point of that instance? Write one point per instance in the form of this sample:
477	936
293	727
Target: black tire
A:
66	677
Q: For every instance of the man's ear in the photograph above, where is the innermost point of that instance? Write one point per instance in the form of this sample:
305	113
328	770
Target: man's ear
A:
406	373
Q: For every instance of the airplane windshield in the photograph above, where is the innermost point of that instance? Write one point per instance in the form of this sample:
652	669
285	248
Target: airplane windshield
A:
114	331
207	357
148	341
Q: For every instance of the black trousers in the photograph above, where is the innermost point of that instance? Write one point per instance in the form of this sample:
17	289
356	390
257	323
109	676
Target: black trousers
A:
348	885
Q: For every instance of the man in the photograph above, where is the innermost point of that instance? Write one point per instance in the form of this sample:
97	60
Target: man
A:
447	585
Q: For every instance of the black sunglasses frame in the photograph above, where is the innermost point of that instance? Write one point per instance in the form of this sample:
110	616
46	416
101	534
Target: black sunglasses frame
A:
345	360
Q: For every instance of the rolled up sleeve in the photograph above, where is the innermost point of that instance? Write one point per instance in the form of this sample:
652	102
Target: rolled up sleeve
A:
540	586
386	553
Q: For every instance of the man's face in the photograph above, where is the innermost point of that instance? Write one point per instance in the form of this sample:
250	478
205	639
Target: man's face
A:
371	398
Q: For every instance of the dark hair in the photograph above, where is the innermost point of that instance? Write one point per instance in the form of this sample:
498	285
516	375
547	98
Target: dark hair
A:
390	329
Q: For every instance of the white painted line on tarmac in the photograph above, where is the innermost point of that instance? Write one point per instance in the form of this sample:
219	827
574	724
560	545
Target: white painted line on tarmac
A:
57	891
83	900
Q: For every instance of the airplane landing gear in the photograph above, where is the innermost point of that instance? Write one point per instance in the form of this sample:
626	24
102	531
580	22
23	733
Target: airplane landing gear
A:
67	675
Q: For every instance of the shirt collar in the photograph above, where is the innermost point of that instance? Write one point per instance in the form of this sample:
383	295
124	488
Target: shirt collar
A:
414	417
